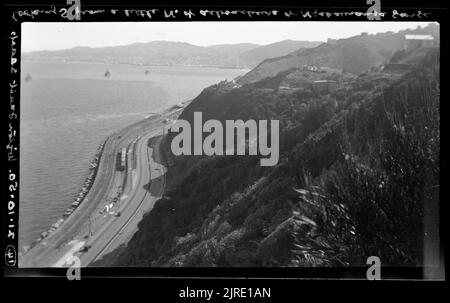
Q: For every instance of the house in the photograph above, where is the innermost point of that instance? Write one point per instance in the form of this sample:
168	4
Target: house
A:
311	68
413	42
324	86
394	68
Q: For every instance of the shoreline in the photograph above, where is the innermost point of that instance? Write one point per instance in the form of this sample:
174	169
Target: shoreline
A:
141	65
78	201
92	175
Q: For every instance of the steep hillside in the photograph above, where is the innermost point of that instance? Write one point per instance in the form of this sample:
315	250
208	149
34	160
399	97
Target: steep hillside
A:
233	50
357	167
257	55
353	55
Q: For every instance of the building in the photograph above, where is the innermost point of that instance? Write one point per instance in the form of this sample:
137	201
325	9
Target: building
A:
397	68
331	41
413	42
311	68
324	86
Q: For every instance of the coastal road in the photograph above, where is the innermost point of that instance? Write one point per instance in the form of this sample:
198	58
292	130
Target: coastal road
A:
88	223
146	188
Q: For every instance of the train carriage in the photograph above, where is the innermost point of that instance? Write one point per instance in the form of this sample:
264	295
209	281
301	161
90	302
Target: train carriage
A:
121	159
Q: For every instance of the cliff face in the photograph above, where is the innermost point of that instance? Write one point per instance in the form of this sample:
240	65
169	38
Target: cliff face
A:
356	169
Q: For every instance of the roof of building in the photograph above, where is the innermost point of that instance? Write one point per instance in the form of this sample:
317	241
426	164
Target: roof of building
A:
419	37
324	81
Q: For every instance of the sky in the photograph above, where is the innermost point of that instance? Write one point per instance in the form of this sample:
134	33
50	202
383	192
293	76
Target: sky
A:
64	35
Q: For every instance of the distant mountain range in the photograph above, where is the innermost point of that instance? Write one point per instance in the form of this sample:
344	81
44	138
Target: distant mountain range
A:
244	55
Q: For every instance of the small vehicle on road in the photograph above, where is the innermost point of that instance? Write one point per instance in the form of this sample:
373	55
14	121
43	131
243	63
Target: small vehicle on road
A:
85	248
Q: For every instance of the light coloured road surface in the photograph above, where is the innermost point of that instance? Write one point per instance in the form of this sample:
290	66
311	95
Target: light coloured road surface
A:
141	198
104	231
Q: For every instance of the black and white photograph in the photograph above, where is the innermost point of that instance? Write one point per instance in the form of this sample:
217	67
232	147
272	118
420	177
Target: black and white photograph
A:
288	144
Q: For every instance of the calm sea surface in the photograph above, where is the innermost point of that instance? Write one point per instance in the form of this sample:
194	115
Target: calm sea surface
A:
68	109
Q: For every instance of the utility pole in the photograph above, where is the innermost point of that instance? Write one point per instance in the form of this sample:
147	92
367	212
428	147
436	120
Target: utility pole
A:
90	226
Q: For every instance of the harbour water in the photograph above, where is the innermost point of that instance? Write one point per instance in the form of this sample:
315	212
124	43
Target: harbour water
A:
68	109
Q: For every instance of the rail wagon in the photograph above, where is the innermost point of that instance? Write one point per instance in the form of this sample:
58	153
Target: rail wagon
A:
132	155
121	159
